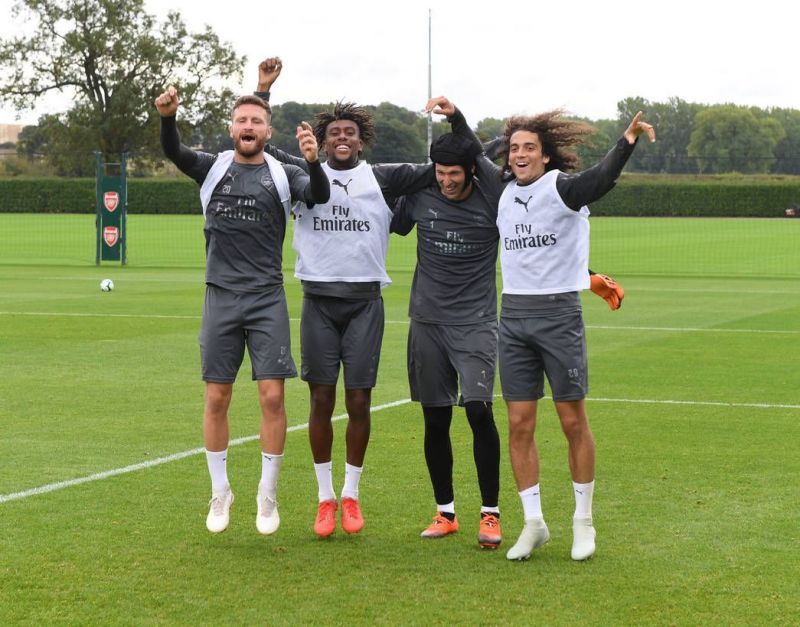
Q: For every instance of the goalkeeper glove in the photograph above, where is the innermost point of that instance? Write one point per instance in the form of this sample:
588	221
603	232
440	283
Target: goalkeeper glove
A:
608	289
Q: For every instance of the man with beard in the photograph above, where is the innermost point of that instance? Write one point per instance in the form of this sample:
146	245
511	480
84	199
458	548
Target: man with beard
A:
341	260
246	195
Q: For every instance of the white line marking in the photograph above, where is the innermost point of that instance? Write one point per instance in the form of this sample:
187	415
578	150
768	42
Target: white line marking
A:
52	487
588	326
690	329
97	315
709	403
60	485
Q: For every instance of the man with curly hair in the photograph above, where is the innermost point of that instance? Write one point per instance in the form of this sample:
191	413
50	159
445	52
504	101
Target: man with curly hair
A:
544	254
341	261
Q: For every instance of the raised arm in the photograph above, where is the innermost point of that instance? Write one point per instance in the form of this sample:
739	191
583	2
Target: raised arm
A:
487	171
593	183
187	160
318	189
268	72
458	123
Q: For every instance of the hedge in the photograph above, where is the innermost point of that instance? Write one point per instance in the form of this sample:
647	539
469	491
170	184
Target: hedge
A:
723	196
77	195
635	195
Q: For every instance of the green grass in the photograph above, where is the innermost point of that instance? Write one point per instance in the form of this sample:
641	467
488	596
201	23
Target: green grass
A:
695	405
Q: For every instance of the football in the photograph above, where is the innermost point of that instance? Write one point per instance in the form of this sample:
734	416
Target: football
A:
106	285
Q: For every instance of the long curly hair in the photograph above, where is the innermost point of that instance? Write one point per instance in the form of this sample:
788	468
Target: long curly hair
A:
557	134
346	111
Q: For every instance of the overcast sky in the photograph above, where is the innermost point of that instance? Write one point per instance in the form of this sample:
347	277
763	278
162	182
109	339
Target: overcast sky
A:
494	59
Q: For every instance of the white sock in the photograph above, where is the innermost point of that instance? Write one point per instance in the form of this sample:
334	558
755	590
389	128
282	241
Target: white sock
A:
324	473
531	502
490	510
447	508
352	475
583	499
218	469
270	467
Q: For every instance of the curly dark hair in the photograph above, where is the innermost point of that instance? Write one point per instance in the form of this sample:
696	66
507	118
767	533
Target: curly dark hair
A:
346	111
556	133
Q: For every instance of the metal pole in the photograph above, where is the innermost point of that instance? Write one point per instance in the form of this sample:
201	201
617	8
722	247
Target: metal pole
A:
430	94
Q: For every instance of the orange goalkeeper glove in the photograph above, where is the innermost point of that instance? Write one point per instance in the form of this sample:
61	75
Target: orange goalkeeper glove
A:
608	289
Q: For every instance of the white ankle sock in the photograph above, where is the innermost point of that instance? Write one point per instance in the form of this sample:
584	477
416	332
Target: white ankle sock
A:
324	472
583	499
447	508
352	475
270	467
531	502
218	469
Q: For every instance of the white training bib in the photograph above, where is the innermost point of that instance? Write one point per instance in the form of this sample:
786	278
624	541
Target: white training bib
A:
224	161
544	245
346	238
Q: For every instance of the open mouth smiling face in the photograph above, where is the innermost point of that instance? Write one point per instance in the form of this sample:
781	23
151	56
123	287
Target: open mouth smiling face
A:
525	157
343	141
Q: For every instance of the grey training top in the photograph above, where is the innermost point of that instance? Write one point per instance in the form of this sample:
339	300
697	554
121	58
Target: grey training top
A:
245	220
455	277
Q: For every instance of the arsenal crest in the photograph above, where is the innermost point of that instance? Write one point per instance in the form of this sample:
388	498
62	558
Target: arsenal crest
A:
111	200
110	235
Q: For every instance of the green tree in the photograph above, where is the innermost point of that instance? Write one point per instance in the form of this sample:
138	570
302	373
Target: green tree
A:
489	129
674	122
729	138
112	59
787	152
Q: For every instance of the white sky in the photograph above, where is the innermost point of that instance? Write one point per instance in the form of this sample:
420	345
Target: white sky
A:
494	59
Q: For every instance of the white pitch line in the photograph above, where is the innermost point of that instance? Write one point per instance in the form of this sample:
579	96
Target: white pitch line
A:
588	326
691	329
52	487
60	485
705	403
98	315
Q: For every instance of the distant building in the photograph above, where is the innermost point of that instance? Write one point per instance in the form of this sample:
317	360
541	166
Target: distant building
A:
10	132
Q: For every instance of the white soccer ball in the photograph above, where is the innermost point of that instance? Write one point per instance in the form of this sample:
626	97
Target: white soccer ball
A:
106	285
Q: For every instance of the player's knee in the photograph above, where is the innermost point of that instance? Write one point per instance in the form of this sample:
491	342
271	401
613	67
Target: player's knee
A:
521	426
323	398
437	420
271	400
358	403
217	399
575	426
479	415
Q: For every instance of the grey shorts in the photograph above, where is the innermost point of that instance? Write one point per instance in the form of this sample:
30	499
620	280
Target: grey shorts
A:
553	345
441	356
337	330
232	320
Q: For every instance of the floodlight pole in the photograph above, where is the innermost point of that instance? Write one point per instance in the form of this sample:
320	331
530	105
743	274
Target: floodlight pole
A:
430	94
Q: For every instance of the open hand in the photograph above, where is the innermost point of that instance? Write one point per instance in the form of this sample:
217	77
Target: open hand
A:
307	142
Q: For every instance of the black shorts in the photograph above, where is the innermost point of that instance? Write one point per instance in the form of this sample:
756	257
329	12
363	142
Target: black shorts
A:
552	345
233	320
441	356
338	330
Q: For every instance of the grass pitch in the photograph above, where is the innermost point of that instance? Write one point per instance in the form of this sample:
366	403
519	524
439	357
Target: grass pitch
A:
695	406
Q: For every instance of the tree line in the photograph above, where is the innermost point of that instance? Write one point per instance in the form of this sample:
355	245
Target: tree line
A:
114	58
